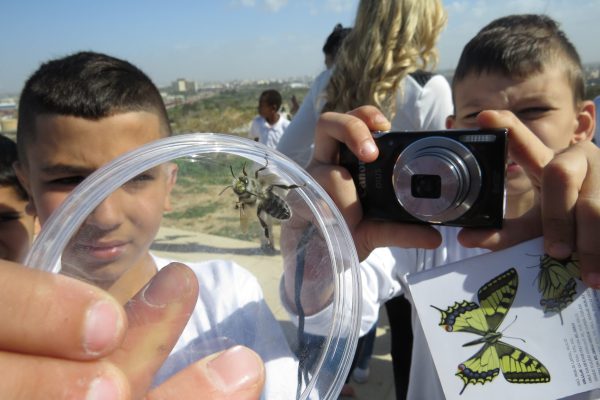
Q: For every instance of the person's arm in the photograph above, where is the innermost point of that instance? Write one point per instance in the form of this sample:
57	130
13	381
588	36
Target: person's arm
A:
254	133
298	138
75	341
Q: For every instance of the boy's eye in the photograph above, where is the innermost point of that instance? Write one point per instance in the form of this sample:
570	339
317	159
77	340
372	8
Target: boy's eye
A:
533	112
472	115
9	216
67	181
140	179
468	120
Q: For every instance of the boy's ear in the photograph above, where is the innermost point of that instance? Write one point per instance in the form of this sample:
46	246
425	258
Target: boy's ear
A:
172	169
24	181
586	122
450	120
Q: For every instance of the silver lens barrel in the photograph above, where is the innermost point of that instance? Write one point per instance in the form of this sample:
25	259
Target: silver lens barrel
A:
436	179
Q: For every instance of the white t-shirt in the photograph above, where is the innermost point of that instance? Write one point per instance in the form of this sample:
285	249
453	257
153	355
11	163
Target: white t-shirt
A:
231	310
383	276
418	107
266	133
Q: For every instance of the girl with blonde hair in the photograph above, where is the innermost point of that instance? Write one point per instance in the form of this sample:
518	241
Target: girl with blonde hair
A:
385	61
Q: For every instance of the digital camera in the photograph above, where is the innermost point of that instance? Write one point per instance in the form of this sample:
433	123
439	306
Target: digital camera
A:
452	177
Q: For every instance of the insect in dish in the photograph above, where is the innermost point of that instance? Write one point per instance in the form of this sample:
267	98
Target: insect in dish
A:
252	191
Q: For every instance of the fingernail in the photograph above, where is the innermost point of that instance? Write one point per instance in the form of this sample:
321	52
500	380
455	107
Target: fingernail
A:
367	148
380	119
235	369
103	388
169	285
102	323
560	250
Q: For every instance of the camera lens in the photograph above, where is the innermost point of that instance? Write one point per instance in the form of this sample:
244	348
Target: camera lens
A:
426	186
436	179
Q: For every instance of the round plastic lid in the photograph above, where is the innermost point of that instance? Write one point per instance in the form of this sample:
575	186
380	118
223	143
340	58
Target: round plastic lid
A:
275	262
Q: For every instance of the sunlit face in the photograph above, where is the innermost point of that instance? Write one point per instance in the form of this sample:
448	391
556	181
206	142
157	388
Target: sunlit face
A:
118	234
266	110
16	226
543	102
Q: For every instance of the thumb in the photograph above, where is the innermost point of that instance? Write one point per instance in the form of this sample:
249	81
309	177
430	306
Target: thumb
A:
235	374
156	318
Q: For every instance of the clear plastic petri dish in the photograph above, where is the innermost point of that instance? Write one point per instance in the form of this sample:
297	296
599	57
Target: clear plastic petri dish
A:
275	263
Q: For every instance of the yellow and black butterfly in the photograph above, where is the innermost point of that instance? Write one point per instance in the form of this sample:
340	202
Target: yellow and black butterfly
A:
495	299
557	282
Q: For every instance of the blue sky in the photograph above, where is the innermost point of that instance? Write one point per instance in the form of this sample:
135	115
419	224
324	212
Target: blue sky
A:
219	40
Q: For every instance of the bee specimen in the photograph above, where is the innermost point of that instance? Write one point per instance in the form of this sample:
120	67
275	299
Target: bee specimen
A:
252	191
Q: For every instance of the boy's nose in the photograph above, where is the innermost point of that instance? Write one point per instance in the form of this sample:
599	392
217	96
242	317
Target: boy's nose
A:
109	213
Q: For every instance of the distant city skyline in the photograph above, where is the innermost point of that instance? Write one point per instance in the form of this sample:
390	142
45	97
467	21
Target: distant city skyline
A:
228	40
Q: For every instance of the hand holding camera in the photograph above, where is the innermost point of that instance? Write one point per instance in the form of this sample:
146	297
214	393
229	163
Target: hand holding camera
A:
453	177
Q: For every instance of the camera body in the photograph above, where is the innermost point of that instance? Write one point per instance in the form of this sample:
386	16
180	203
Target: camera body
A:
452	177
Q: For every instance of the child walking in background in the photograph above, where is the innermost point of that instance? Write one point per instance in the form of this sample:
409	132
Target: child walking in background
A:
269	125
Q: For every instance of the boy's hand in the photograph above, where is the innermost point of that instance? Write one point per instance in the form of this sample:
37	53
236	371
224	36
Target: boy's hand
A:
569	187
62	338
354	129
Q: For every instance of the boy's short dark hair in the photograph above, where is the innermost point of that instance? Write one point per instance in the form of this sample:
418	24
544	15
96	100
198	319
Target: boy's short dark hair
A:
8	156
519	46
86	85
272	97
335	39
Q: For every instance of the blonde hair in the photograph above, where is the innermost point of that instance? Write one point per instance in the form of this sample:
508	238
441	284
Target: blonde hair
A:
389	40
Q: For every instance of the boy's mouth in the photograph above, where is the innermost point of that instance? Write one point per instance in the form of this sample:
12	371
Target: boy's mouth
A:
103	251
512	166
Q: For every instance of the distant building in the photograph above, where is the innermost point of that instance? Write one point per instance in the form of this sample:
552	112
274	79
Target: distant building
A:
182	86
8	107
8	125
8	115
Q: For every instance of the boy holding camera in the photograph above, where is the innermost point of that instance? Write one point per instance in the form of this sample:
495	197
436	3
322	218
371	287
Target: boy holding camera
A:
524	66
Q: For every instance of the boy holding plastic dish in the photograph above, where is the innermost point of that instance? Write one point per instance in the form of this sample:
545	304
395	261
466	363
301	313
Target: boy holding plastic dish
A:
78	113
524	67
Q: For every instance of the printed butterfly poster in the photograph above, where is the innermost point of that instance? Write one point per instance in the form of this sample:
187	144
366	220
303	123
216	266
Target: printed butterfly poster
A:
511	324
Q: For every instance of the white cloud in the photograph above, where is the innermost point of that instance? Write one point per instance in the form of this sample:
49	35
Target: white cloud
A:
275	5
314	7
245	3
269	5
339	6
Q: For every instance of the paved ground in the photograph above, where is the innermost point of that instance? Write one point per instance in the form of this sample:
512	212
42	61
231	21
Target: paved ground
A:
184	245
